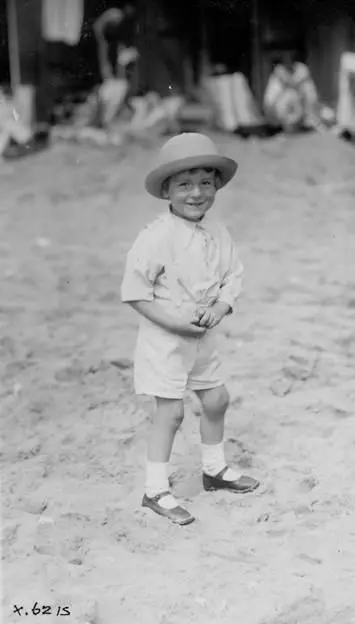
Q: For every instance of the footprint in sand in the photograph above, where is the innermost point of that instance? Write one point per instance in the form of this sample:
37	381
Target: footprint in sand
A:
307	485
243	456
69	374
342	413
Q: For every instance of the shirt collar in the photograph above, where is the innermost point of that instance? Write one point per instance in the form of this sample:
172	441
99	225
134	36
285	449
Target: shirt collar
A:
205	223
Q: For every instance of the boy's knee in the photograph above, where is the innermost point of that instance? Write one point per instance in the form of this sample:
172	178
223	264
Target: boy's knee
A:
171	411
177	415
222	399
216	400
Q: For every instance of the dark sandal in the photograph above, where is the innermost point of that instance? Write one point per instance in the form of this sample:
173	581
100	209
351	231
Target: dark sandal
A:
178	514
241	486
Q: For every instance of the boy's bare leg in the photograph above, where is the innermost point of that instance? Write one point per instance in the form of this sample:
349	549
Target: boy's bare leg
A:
215	404
166	421
217	474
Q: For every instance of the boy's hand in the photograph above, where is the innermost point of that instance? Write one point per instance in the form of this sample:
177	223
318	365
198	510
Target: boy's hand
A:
212	316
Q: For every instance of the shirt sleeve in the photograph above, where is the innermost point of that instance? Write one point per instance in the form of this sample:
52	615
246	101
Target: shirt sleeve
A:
233	270
143	265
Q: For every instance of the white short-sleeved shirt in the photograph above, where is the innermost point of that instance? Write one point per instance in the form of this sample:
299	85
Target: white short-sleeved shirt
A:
182	264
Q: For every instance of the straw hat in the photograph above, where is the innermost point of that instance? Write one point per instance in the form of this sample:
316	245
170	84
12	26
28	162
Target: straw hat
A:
189	150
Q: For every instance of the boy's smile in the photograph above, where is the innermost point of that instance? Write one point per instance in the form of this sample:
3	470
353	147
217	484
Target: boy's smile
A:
192	193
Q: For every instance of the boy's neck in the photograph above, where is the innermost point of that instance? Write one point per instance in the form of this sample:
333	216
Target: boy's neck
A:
176	214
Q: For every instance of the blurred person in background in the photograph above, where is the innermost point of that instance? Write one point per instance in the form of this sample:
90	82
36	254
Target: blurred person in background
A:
34	26
115	32
291	99
115	37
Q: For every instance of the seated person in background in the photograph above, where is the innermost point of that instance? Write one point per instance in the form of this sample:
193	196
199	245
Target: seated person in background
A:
290	98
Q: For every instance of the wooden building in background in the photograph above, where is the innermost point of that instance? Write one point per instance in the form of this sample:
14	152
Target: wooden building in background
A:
248	35
175	37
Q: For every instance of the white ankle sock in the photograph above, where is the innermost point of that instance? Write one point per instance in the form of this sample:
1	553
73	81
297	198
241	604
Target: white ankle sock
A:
157	481
156	478
213	461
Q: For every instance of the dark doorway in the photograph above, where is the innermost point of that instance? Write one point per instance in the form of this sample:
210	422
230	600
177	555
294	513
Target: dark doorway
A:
229	34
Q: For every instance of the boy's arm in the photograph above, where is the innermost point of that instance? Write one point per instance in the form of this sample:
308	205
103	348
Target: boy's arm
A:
143	266
155	313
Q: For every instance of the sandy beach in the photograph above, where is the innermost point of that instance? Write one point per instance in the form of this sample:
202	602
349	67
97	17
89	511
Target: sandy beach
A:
74	432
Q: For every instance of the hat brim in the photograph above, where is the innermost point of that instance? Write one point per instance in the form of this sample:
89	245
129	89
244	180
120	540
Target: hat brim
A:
225	166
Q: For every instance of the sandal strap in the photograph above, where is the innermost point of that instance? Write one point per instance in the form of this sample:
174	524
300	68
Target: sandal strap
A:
221	474
159	496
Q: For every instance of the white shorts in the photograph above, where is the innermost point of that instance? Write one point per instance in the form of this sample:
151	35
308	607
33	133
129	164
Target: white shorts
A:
167	365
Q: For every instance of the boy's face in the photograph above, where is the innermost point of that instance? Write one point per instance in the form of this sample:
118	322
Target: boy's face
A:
192	193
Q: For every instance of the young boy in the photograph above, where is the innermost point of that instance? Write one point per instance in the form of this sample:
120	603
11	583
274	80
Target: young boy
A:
183	276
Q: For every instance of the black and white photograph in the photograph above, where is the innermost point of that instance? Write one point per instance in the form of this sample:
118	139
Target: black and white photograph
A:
177	311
